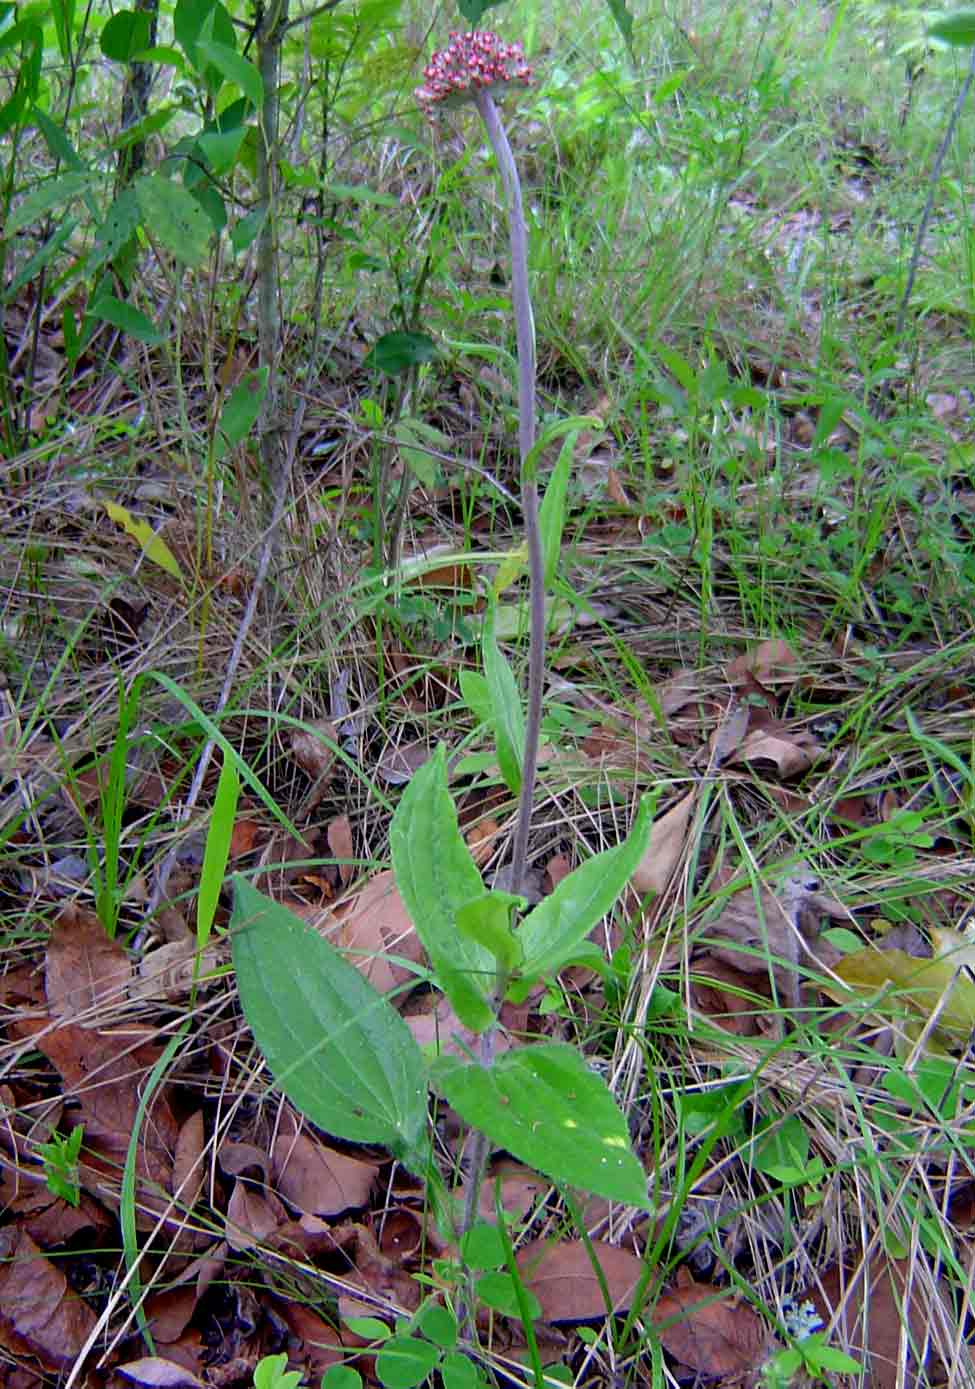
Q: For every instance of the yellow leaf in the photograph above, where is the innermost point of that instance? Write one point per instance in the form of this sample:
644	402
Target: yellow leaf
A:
918	984
511	568
153	545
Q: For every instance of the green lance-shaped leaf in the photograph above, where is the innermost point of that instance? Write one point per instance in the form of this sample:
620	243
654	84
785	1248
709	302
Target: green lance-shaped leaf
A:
551	513
554	930
232	67
240	411
335	1047
55	193
544	1105
127	317
507	715
436	876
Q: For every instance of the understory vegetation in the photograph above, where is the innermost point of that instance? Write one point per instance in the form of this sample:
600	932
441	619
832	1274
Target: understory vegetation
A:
265	636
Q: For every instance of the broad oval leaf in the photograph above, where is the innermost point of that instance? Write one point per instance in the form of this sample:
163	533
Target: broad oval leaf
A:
175	217
394	353
125	34
436	876
956	28
543	1104
335	1047
551	933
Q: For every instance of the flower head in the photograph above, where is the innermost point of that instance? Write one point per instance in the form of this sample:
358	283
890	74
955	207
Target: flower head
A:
472	62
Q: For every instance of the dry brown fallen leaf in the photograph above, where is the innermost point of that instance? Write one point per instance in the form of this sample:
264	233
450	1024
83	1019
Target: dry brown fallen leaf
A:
340	843
873	1333
41	1316
521	1189
789	751
771	663
155	1372
667	839
710	1332
562	1277
776	933
84	971
372	926
252	1215
319	1180
105	1070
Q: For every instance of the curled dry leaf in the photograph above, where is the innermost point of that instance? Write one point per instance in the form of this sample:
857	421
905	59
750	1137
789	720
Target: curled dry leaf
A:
726	739
770	934
562	1277
681	689
710	1332
168	971
252	1216
667	838
521	1189
341	846
401	1234
311	751
320	1180
85	972
789	751
40	1314
771	663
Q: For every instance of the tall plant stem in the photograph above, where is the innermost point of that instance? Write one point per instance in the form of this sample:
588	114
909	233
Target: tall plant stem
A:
525	338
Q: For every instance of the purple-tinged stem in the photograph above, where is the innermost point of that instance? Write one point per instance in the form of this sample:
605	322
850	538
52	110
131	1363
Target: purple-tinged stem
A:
525	338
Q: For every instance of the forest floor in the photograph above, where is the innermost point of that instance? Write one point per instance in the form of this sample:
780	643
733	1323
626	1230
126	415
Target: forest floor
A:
763	616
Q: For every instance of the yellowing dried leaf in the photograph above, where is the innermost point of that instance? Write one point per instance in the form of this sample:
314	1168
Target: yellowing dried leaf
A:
563	1279
667	839
920	985
153	545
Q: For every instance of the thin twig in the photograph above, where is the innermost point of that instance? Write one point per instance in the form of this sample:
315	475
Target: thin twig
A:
936	168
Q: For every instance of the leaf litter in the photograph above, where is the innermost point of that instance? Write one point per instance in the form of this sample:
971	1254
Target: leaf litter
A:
774	756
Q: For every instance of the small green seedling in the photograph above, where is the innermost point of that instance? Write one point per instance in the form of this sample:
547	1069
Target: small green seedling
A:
60	1157
270	1372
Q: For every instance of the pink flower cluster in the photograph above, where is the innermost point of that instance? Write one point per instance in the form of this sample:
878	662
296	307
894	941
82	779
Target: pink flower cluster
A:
475	61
